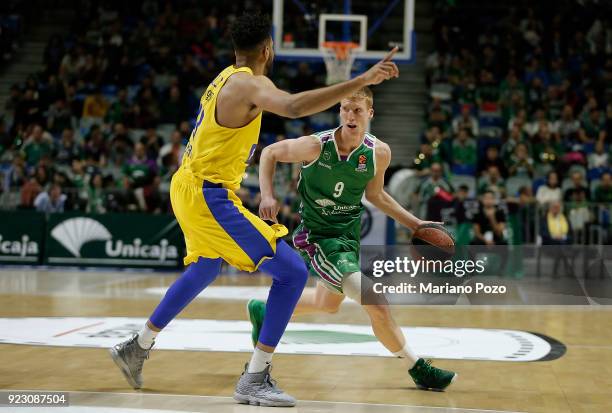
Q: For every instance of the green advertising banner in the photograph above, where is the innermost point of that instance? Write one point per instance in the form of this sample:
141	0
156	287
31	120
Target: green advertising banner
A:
21	237
133	240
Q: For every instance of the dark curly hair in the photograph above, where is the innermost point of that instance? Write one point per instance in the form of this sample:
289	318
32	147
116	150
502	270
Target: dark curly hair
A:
250	29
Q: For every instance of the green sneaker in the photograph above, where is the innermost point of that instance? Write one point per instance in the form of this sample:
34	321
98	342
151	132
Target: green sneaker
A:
256	311
426	376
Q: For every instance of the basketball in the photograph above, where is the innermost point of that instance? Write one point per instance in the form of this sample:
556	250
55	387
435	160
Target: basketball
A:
432	242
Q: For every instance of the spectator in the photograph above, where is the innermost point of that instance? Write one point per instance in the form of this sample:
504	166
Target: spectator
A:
140	170
432	184
28	110
555	228
577	192
465	121
550	191
120	111
95	196
509	147
521	164
66	149
567	127
78	181
489	223
492	159
173	109
547	149
426	158
603	192
50	201
493	182
95	105
599	158
120	141
539	122
464	154
487	93
439	117
59	117
175	149
152	142
593	126
29	191
37	146
95	146
465	205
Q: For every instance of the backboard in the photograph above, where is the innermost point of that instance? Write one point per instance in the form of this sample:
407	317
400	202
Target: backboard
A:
300	27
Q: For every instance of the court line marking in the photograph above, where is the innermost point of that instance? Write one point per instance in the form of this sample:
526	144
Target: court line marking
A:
140	394
78	328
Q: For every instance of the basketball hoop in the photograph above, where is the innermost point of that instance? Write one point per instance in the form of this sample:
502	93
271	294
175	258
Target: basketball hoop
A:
339	58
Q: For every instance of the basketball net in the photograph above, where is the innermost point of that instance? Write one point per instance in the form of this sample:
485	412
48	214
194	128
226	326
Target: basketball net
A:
339	58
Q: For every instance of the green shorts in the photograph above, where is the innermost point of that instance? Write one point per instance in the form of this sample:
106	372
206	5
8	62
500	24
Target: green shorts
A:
328	258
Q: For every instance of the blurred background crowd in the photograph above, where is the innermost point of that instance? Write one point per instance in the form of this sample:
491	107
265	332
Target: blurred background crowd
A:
518	121
520	116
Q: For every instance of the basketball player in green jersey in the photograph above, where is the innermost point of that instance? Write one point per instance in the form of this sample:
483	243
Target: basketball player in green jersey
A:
338	166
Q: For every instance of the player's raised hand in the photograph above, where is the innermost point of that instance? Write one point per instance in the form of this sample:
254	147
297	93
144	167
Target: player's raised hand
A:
383	70
268	209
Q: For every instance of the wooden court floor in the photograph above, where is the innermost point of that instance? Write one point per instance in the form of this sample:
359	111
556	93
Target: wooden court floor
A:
578	382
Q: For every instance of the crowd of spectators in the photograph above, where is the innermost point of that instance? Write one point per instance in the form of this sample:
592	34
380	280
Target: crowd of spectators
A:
520	110
104	126
520	107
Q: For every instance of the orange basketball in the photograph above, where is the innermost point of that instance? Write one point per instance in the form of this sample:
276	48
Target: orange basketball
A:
433	242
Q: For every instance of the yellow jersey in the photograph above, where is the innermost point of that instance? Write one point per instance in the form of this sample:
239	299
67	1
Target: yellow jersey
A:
216	153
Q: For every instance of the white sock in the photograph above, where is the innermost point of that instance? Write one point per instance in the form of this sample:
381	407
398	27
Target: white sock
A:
259	361
407	355
146	337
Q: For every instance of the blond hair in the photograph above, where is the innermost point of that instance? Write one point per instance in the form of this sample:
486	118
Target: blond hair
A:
363	93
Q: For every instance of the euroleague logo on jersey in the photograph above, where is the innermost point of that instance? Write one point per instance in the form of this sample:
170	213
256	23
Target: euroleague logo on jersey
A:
362	164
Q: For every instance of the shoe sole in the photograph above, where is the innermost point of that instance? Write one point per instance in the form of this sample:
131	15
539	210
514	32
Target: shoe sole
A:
124	368
257	401
435	389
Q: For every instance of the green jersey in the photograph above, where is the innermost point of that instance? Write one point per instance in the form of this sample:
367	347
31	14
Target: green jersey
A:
331	188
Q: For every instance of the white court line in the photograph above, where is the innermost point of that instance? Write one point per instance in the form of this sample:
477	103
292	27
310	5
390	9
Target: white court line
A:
302	405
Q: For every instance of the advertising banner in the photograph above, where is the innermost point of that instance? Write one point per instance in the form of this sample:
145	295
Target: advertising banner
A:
21	237
133	240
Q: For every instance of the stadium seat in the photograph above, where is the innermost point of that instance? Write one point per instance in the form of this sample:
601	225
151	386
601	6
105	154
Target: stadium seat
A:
538	182
515	183
470	181
294	128
593	187
165	130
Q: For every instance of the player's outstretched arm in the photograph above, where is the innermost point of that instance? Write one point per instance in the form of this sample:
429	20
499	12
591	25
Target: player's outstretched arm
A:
304	149
376	194
265	95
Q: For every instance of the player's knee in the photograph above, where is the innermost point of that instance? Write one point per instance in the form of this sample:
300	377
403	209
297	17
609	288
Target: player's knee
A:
296	272
299	272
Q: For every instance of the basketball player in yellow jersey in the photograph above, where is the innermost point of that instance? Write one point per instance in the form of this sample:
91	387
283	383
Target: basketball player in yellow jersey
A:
216	225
